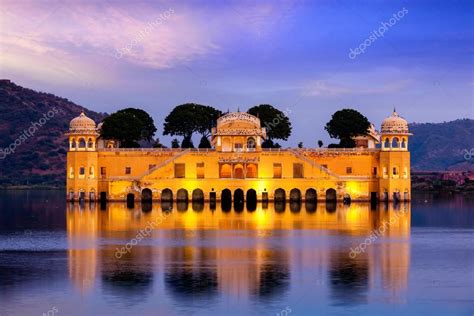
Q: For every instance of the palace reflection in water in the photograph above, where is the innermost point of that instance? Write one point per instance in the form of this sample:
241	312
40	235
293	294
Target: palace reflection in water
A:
198	252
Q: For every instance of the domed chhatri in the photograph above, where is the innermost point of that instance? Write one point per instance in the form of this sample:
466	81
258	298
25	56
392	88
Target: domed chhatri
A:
82	134
395	124
82	124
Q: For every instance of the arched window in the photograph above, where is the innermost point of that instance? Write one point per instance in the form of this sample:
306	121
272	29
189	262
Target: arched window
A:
404	143
90	143
395	142
91	172
82	172
251	143
395	171
73	143
82	143
387	143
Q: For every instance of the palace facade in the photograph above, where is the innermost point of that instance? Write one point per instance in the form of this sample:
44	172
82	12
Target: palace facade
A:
238	168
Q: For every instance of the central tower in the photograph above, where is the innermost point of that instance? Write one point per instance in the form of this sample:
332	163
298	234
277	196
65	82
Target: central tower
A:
238	132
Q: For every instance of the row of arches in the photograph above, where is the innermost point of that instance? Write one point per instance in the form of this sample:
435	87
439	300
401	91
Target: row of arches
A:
197	195
81	143
395	142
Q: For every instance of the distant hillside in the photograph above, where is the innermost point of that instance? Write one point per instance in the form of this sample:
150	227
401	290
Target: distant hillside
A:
40	158
441	146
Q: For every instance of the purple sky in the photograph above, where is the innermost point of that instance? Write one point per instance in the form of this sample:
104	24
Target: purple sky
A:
294	55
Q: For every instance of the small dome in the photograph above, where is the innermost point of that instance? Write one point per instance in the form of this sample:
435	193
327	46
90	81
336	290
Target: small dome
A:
395	124
82	124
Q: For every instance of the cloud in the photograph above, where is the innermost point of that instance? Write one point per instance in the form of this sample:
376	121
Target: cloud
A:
331	89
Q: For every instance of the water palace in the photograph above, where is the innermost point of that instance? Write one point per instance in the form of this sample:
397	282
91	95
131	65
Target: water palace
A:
237	168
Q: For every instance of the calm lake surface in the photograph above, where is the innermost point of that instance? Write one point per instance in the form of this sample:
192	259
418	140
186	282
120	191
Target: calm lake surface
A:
64	259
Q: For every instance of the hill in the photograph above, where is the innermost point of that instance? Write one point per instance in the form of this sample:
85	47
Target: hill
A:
442	146
32	142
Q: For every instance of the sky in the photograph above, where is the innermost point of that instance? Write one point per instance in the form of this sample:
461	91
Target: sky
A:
307	58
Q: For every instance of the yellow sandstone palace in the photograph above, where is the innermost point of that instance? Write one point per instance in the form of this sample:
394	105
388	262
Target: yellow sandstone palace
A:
238	168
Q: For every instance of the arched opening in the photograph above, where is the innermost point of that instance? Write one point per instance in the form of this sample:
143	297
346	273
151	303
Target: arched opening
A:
238	171
347	199
251	144
386	144
251	200
198	206
146	207
251	171
226	171
166	206
311	195
239	200
331	206
92	195
396	196
295	195
280	206
395	142
295	206
280	195
166	195
182	195
147	195
226	200
73	143
90	143
130	200
331	195
182	206
310	206
82	143
198	195
226	144
404	143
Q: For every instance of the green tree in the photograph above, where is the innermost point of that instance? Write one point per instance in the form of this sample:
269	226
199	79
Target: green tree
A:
204	143
188	118
158	144
175	143
320	143
187	142
276	122
148	125
128	126
300	145
345	125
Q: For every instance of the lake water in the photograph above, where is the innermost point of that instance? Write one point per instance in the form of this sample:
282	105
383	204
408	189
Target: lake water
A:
62	259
